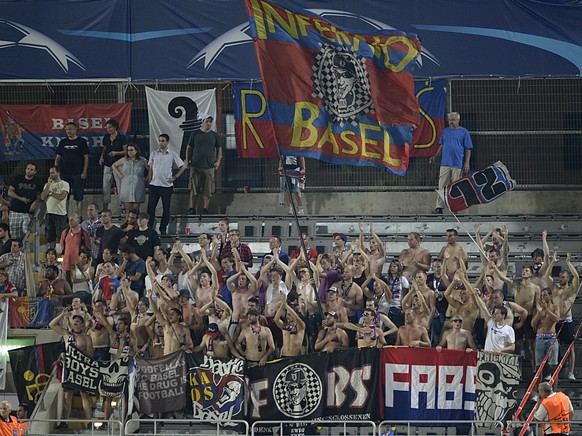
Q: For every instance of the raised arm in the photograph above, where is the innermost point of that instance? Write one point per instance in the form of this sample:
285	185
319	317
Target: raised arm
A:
477	227
54	324
379	242
573	290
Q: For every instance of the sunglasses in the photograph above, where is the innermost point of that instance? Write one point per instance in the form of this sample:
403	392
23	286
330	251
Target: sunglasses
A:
457	320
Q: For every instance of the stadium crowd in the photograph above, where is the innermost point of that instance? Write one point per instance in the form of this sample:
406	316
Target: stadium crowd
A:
118	292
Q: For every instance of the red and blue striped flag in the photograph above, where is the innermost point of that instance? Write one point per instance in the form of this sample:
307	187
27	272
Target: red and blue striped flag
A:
336	95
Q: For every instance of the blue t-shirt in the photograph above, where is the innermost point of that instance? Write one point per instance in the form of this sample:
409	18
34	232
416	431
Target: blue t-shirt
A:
133	267
454	142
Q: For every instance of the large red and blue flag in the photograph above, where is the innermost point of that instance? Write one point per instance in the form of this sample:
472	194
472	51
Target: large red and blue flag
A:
334	94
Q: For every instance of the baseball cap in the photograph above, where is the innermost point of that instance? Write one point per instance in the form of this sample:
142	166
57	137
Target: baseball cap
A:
340	235
184	293
332	289
331	313
212	329
537	252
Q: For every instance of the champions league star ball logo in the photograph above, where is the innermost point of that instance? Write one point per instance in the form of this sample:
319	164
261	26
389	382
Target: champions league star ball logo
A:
297	391
341	80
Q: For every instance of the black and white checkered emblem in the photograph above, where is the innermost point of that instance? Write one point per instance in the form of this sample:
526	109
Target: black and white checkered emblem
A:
341	80
297	391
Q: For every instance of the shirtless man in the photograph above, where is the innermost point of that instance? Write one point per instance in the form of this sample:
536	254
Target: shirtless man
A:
123	299
243	286
372	336
526	293
206	281
218	312
467	306
381	321
99	334
564	296
494	254
54	287
217	344
335	304
540	263
176	336
257	340
418	282
516	315
190	313
416	302
411	334
350	293
377	252
458	338
243	321
453	253
139	335
75	336
414	257
331	337
293	329
544	322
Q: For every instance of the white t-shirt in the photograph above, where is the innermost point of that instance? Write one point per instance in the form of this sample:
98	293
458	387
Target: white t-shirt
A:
498	337
54	206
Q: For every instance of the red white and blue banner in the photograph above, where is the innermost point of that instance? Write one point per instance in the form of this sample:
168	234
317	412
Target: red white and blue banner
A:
33	132
254	132
31	369
28	312
424	385
480	187
178	114
334	94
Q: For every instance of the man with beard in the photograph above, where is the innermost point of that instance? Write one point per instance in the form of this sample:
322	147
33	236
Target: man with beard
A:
331	337
255	342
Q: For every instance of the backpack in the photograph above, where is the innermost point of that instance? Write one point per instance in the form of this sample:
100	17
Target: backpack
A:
85	240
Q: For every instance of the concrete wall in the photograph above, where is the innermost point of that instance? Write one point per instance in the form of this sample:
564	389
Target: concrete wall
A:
386	203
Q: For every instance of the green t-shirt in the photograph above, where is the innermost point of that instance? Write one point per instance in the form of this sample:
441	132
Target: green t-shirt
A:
203	145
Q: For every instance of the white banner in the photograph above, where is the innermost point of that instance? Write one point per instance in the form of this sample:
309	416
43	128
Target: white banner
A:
176	114
3	336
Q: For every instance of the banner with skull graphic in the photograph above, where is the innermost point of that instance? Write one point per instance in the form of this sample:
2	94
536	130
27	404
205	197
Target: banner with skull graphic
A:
498	377
217	387
83	373
337	386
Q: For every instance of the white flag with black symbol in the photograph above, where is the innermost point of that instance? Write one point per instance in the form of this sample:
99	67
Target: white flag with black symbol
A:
178	114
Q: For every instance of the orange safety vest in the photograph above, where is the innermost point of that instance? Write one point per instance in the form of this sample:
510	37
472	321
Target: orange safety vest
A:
558	410
9	428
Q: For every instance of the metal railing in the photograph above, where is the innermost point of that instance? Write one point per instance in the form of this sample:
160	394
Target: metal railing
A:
416	427
91	426
319	423
158	425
